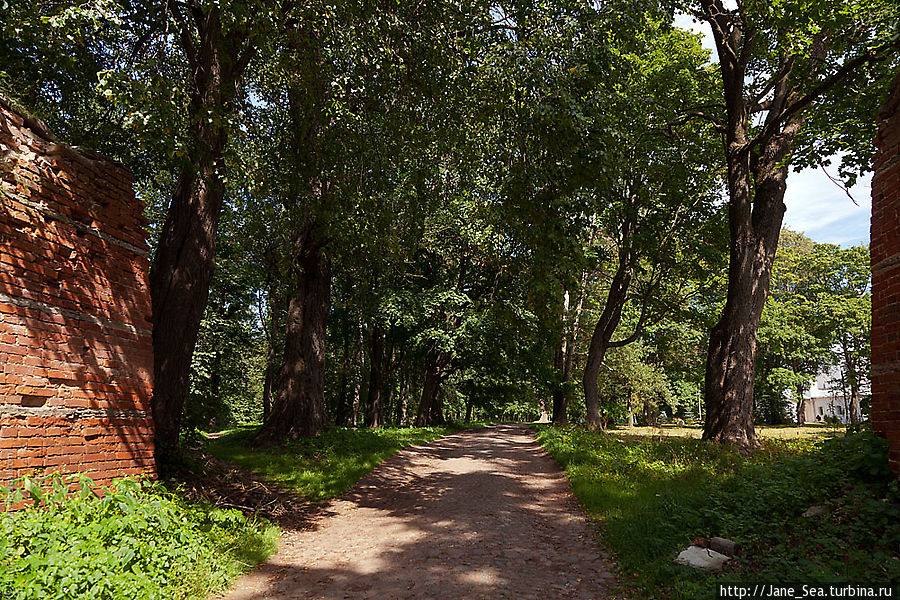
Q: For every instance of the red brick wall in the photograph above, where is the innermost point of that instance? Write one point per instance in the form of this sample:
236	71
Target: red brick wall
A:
76	359
886	277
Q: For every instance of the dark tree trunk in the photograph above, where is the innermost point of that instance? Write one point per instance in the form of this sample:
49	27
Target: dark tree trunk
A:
273	308
434	364
299	408
604	331
185	256
756	170
468	410
756	210
376	378
437	409
388	395
342	407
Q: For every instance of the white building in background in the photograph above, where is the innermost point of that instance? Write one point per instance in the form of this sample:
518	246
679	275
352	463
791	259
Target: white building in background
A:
825	399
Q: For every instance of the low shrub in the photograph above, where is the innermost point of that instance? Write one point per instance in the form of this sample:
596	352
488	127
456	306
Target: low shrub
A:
133	539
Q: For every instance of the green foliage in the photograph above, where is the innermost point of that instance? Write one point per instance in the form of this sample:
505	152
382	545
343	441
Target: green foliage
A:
321	467
654	496
631	385
817	315
134	540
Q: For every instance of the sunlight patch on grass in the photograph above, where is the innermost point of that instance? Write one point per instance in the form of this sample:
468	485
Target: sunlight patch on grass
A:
814	432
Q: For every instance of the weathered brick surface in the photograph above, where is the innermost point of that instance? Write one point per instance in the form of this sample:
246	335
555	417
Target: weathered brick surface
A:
76	358
886	277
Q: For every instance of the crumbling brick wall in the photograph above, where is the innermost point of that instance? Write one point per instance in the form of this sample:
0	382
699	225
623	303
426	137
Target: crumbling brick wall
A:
76	359
885	248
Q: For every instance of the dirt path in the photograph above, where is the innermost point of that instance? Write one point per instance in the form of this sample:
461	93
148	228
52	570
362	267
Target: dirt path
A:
478	514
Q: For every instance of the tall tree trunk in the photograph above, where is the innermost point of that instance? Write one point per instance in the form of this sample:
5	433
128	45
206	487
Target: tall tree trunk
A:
376	378
434	362
756	170
390	380
299	408
756	211
601	339
437	408
185	256
468	410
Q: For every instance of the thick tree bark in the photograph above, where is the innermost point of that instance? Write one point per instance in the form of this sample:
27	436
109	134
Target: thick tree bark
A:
299	408
437	409
376	378
184	260
732	344
757	185
757	170
435	362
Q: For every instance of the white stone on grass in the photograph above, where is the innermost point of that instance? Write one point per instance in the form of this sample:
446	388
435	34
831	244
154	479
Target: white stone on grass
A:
702	558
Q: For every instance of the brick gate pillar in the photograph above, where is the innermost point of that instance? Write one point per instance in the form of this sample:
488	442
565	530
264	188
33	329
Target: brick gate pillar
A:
885	248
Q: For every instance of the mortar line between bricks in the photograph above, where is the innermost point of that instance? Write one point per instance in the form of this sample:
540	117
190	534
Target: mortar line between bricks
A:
46	210
72	413
72	314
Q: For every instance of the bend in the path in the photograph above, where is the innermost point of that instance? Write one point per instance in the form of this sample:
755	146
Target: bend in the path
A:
479	514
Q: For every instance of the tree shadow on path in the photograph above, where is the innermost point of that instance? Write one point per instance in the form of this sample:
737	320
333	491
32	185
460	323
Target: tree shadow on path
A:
480	514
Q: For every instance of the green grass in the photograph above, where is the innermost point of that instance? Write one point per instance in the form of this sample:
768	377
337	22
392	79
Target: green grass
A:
322	467
653	496
135	540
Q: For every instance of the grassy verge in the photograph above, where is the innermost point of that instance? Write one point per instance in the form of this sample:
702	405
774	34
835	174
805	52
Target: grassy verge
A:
134	540
786	432
325	466
653	496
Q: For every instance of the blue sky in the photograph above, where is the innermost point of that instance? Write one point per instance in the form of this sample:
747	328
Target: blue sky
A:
816	206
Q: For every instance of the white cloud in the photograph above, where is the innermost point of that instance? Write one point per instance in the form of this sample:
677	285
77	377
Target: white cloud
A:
820	209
